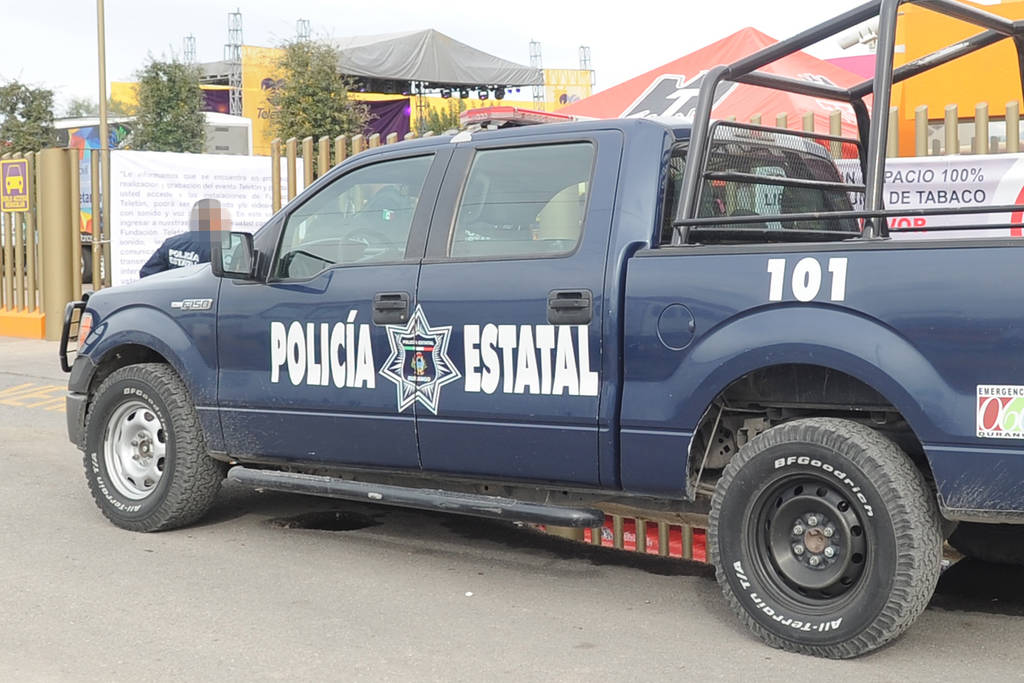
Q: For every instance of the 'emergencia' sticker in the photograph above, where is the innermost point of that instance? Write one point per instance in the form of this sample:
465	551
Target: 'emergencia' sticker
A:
1000	411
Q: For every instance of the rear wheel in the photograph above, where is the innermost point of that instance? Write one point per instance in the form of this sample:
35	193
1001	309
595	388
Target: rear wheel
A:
825	538
145	458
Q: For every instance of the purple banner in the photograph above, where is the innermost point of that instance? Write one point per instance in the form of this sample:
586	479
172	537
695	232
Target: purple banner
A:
389	116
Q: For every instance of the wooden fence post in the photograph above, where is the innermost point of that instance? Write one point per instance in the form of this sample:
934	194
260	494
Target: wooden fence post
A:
290	146
308	162
275	175
340	149
952	126
324	159
981	128
921	131
892	140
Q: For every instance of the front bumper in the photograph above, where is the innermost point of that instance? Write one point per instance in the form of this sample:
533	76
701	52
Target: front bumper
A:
78	398
75	413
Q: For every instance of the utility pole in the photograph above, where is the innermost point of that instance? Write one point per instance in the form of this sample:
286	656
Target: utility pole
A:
102	49
101	194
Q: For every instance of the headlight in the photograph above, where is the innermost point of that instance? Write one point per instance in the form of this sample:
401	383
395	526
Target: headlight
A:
84	327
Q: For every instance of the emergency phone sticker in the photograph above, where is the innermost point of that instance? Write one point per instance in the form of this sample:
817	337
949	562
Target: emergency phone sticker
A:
1000	411
419	364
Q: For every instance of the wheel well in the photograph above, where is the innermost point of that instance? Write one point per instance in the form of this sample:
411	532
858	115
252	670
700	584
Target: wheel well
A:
117	358
770	396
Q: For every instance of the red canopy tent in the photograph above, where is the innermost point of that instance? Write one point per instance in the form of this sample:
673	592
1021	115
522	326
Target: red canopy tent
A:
671	89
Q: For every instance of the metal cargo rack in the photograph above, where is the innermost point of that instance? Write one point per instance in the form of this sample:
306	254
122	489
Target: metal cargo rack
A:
872	127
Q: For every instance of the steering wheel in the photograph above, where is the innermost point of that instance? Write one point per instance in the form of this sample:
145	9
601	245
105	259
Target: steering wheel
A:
377	245
293	266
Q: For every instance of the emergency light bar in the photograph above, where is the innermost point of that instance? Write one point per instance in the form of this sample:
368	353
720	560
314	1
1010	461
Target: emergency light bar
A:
510	116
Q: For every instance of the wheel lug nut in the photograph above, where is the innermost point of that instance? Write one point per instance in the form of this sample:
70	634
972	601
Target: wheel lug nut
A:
830	552
814	560
798	529
828	531
798	549
812	521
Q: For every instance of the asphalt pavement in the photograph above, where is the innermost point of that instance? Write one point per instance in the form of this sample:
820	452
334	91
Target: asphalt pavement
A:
383	594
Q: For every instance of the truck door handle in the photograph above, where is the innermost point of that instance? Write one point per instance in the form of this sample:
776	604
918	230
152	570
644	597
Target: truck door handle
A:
570	306
390	308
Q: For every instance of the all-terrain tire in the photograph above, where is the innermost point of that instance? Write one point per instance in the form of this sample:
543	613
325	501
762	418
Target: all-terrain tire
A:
998	543
145	458
825	538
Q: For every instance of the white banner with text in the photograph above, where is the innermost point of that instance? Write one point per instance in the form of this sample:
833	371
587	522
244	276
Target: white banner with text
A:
155	195
949	182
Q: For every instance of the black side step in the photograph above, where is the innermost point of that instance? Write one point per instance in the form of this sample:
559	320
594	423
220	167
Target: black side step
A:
471	504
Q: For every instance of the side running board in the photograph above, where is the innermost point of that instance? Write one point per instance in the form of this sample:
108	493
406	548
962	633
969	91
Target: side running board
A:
471	504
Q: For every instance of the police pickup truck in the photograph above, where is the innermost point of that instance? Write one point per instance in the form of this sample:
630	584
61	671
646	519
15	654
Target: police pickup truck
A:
538	322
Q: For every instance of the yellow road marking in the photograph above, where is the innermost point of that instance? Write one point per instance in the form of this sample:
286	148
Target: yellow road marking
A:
41	396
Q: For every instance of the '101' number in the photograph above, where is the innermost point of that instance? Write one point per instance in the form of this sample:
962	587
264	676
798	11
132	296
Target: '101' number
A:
806	279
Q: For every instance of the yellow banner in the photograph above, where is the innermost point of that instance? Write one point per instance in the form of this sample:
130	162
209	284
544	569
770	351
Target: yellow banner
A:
260	78
565	86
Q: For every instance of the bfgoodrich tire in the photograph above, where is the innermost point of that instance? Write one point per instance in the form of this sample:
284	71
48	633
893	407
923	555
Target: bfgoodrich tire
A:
825	538
999	543
145	458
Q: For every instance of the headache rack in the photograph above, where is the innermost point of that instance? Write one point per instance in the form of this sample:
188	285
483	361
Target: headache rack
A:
693	224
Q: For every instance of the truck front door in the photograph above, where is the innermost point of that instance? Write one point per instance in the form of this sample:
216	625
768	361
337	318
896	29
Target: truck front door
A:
510	305
299	354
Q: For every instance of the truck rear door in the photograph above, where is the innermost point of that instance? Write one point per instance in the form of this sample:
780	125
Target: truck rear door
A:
510	304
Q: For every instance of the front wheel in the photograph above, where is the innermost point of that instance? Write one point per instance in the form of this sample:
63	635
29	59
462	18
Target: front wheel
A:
825	538
145	458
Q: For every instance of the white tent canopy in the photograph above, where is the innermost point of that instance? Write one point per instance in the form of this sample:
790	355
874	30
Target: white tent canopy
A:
431	57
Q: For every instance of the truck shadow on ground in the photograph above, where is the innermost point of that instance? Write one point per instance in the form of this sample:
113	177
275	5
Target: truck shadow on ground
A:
966	586
975	586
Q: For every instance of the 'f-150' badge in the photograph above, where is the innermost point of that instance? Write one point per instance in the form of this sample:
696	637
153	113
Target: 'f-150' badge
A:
419	364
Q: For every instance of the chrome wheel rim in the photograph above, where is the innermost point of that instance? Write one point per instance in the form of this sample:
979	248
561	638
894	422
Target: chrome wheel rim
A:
134	450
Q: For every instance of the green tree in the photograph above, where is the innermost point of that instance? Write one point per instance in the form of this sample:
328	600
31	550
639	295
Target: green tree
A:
83	106
441	121
169	117
26	118
312	99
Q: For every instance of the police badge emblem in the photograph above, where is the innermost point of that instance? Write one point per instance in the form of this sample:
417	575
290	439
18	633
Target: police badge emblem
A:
419	364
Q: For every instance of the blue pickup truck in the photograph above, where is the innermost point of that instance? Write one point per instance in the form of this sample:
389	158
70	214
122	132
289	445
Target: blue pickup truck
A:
532	323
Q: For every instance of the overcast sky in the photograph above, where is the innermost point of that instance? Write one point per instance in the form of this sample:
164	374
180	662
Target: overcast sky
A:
52	43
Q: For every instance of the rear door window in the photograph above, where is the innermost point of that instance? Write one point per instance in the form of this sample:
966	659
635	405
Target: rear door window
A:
523	202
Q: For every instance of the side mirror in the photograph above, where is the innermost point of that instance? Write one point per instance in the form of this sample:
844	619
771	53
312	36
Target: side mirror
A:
232	255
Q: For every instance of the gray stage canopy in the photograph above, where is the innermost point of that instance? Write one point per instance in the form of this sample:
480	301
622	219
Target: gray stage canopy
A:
429	57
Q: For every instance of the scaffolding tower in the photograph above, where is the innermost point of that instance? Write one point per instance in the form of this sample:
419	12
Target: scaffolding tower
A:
233	58
537	63
585	64
188	49
302	30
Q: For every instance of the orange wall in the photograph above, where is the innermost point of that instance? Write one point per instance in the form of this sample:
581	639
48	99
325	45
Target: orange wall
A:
989	75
